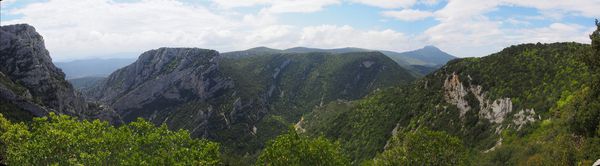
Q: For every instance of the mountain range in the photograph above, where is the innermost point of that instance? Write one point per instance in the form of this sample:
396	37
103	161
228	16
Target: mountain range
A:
92	67
529	104
421	61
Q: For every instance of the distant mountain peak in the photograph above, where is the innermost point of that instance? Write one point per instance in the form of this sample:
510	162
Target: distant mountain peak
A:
262	48
431	47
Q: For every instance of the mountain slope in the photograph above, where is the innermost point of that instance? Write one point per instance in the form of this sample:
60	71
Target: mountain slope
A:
241	102
484	101
421	61
310	79
30	82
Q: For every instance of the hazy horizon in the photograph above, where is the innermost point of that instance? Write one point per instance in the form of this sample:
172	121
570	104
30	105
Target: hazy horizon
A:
97	28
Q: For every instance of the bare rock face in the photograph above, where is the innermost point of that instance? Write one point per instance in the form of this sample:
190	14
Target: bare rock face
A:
176	74
493	110
524	117
455	94
181	87
37	85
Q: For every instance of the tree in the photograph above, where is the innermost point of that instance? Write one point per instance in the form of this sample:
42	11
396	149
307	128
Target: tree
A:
594	59
587	117
4	125
294	149
63	140
422	147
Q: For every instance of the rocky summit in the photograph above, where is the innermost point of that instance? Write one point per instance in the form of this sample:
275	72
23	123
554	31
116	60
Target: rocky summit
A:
167	83
31	83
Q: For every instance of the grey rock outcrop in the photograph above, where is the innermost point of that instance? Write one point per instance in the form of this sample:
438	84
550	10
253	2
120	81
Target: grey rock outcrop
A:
168	85
177	74
38	86
455	93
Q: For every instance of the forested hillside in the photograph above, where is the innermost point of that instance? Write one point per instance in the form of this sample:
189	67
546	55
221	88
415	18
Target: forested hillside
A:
240	101
526	105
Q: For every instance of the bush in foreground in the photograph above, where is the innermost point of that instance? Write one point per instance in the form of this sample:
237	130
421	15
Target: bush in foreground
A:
423	147
294	149
64	140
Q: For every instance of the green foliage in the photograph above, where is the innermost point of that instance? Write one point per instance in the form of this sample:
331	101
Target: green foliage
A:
551	142
293	84
362	127
297	150
301	81
538	76
423	147
63	140
594	60
4	125
587	115
587	118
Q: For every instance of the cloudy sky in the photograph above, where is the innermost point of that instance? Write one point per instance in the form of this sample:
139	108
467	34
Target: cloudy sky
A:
79	29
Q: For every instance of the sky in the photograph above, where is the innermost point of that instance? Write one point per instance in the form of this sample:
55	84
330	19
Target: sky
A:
81	29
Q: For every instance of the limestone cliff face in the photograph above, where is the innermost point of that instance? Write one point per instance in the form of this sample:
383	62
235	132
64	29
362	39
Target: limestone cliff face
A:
495	111
176	74
33	83
182	87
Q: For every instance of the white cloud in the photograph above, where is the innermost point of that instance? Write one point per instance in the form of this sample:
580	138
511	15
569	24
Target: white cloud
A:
555	32
331	36
588	8
76	29
388	4
240	3
87	28
408	14
279	6
465	30
7	2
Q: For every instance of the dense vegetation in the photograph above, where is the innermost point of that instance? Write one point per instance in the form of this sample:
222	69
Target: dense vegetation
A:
422	147
294	149
63	140
293	84
571	133
555	80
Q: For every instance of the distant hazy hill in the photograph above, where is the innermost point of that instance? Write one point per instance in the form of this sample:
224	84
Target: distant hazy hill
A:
335	50
92	67
421	61
85	82
430	55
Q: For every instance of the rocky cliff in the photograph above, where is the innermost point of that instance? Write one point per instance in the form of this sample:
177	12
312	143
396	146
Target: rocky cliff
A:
181	87
32	83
